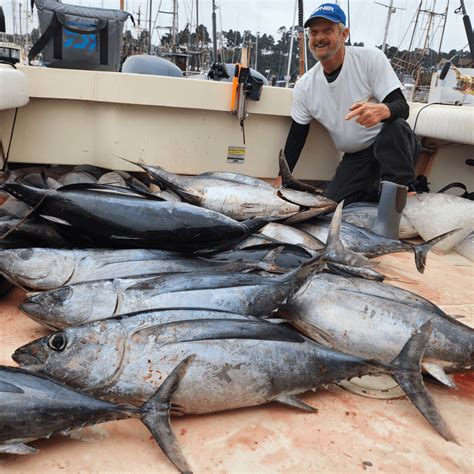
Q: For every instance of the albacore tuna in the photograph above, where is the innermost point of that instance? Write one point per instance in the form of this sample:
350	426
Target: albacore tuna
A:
372	245
373	320
46	268
36	406
238	363
238	197
120	216
241	293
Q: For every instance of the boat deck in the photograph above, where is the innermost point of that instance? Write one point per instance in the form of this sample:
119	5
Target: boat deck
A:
348	434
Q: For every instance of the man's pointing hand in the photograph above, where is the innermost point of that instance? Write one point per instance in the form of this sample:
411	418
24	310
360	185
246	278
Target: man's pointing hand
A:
368	114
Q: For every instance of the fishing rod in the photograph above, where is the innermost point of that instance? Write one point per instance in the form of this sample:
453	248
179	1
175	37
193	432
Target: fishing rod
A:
461	10
467	25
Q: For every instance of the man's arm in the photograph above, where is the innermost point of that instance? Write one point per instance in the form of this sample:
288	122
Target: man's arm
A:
295	143
369	114
397	104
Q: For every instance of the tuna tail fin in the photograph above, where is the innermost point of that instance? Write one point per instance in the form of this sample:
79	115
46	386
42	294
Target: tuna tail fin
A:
421	250
335	251
298	277
284	170
408	375
289	181
156	416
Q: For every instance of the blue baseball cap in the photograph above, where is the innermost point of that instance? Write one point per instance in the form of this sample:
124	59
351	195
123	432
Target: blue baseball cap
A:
330	11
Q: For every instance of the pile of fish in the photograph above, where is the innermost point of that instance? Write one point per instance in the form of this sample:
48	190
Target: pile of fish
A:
177	295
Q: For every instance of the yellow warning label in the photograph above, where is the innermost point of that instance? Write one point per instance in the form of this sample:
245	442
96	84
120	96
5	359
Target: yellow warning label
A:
236	154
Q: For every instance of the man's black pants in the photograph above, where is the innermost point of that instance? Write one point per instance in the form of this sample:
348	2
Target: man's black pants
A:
390	158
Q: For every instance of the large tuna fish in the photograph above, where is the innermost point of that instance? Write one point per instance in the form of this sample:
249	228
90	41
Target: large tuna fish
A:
238	197
46	269
238	363
373	320
36	406
372	245
107	212
239	293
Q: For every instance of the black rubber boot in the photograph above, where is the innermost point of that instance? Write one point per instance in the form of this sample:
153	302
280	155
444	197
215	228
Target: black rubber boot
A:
393	198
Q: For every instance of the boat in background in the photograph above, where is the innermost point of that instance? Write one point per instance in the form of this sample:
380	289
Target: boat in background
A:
10	52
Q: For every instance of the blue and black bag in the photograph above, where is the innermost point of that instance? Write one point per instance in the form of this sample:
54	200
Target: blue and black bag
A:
76	37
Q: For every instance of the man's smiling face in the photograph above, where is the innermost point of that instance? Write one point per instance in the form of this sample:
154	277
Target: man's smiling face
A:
326	38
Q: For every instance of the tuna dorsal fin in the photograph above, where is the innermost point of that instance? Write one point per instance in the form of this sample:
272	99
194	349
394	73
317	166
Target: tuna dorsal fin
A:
211	329
10	388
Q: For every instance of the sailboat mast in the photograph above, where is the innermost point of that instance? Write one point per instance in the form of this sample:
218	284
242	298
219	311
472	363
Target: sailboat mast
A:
19	14
290	54
197	23
445	16
349	21
14	19
214	34
175	23
149	27
431	15
410	55
387	24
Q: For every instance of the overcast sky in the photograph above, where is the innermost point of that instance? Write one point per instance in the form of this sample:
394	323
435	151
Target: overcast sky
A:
367	18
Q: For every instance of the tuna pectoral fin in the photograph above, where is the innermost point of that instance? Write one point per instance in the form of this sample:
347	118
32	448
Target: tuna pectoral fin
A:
438	373
17	448
157	416
421	250
408	376
10	388
359	272
294	402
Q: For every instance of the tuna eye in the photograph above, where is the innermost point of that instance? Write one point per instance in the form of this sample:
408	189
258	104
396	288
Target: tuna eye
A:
57	341
62	294
25	254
